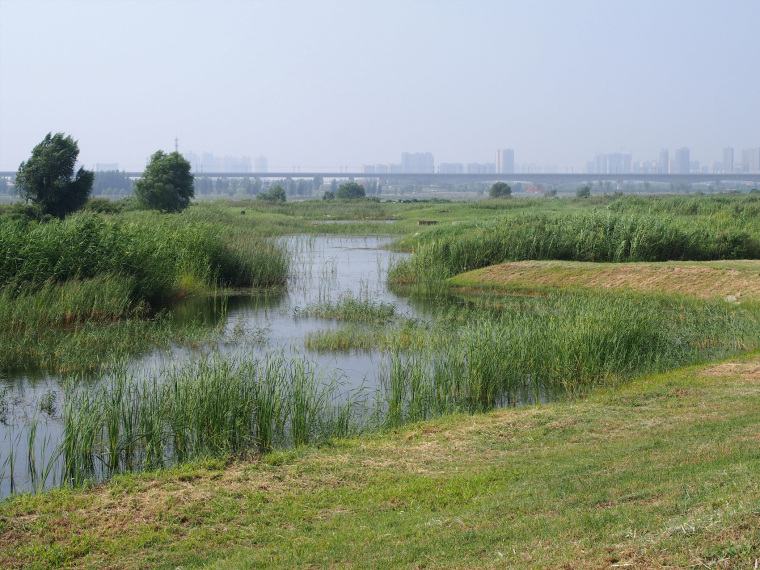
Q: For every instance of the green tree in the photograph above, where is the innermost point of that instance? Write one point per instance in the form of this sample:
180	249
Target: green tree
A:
328	195
500	190
584	192
167	183
47	179
350	191
276	194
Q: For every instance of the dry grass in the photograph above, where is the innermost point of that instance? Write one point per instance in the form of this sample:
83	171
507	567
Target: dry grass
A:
732	280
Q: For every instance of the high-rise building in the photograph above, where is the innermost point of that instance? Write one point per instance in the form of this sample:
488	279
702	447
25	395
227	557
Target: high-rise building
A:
682	163
617	163
417	162
235	164
260	163
751	160
663	166
505	161
481	168
451	168
728	159
209	163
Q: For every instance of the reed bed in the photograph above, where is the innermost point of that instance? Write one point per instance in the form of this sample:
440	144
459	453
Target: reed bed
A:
349	308
495	351
159	258
738	207
216	406
587	236
501	350
100	299
79	292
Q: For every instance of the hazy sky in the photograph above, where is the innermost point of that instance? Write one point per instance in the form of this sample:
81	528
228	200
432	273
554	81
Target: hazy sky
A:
329	84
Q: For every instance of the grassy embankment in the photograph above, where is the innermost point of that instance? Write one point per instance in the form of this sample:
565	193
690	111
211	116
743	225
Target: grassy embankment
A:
735	281
661	472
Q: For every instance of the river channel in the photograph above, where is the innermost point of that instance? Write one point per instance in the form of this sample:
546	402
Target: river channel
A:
322	269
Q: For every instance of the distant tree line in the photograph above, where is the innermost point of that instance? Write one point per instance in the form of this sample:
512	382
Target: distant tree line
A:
112	183
301	188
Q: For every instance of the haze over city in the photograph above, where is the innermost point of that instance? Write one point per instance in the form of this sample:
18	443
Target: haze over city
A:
315	85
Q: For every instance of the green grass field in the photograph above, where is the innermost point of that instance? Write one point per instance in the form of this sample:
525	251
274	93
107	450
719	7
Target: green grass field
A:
659	473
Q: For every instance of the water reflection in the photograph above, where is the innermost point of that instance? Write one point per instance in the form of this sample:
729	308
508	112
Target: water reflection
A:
323	269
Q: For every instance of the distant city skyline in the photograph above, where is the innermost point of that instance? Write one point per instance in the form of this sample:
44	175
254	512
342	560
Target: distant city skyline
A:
335	84
421	162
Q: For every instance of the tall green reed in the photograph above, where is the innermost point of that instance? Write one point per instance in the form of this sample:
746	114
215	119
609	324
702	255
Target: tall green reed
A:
214	406
586	236
157	255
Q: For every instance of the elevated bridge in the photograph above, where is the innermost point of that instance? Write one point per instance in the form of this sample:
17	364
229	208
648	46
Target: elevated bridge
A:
529	178
547	179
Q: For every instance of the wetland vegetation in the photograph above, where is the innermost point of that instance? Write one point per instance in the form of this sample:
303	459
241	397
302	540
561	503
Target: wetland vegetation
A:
84	293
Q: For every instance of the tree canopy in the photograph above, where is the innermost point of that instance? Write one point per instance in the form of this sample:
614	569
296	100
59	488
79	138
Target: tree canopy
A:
350	191
500	190
584	192
47	179
166	184
275	194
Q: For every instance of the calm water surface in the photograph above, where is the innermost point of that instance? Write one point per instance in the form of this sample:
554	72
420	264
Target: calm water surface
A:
323	269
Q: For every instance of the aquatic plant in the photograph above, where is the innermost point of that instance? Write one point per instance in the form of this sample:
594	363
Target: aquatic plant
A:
588	236
215	406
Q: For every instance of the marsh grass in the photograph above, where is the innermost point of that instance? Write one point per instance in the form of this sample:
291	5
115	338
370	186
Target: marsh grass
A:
349	308
155	255
78	292
501	350
492	351
585	236
216	406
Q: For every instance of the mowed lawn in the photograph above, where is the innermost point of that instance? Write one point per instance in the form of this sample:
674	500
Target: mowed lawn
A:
664	472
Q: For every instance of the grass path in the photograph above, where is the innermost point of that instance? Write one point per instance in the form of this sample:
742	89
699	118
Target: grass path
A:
661	473
706	280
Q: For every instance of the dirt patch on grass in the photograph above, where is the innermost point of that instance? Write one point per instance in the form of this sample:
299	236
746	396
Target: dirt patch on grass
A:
731	281
747	371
